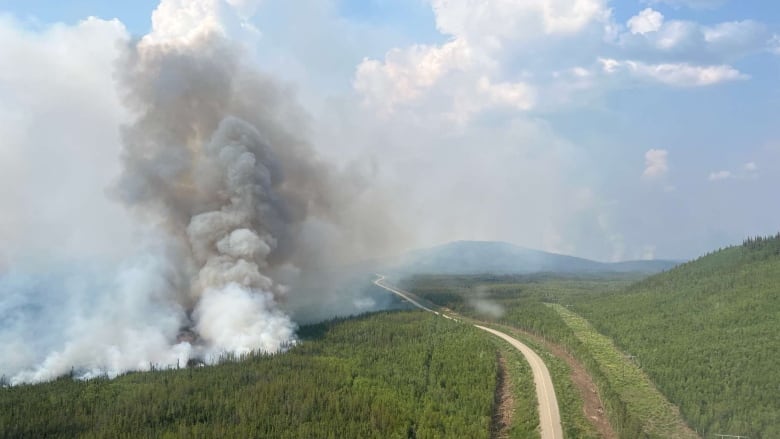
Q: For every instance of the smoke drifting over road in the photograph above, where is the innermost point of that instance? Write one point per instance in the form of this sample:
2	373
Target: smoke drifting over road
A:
236	208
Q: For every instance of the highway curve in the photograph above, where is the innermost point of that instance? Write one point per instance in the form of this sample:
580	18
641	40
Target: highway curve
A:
549	416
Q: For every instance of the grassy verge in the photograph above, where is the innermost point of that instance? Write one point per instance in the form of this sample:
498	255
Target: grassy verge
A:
624	376
450	292
525	419
573	421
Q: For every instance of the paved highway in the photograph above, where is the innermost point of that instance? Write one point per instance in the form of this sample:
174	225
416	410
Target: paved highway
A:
549	416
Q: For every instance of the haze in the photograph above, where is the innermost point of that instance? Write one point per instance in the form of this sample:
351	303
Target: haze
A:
605	129
163	166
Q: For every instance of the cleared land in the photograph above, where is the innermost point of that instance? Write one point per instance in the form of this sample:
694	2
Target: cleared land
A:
659	418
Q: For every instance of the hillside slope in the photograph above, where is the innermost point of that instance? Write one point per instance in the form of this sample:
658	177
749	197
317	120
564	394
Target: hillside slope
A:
707	333
383	375
479	257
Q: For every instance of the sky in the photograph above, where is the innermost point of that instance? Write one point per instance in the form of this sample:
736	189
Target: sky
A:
613	130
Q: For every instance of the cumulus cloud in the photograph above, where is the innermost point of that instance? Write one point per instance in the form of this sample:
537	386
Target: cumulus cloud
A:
750	167
513	94
490	60
656	163
648	20
467	74
455	75
407	75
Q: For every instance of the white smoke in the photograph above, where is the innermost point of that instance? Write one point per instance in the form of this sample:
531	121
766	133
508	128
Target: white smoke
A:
230	209
91	321
482	303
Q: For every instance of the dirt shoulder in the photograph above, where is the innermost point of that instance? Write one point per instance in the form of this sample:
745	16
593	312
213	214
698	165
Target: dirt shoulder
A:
503	404
592	406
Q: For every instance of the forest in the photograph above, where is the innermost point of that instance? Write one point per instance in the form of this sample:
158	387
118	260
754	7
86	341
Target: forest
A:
400	374
523	301
705	332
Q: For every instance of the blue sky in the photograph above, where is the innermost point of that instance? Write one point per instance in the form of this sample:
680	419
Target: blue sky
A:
634	129
134	14
414	15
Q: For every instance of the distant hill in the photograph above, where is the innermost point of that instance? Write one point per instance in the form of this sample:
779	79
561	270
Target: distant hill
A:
480	257
707	334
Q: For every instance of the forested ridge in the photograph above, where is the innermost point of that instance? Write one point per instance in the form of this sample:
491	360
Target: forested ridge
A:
402	374
708	333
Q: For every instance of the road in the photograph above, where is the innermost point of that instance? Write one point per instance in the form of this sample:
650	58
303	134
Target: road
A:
549	416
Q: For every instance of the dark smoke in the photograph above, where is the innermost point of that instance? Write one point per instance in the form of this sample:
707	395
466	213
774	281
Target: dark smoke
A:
213	161
241	219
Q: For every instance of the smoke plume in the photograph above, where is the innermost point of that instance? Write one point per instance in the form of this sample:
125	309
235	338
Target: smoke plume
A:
234	209
482	303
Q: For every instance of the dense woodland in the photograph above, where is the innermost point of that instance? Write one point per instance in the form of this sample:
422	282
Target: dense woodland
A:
705	332
708	333
403	374
523	300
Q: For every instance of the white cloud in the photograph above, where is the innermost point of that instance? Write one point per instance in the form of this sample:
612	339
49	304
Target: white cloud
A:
720	175
512	94
610	65
674	74
183	21
407	75
674	34
648	20
455	77
496	43
732	32
649	35
468	74
748	171
510	58
493	21
656	163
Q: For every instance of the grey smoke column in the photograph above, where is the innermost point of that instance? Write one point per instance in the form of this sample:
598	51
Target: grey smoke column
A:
239	227
210	162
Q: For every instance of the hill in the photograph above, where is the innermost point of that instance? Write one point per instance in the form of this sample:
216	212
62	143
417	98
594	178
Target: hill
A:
384	375
479	257
707	334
